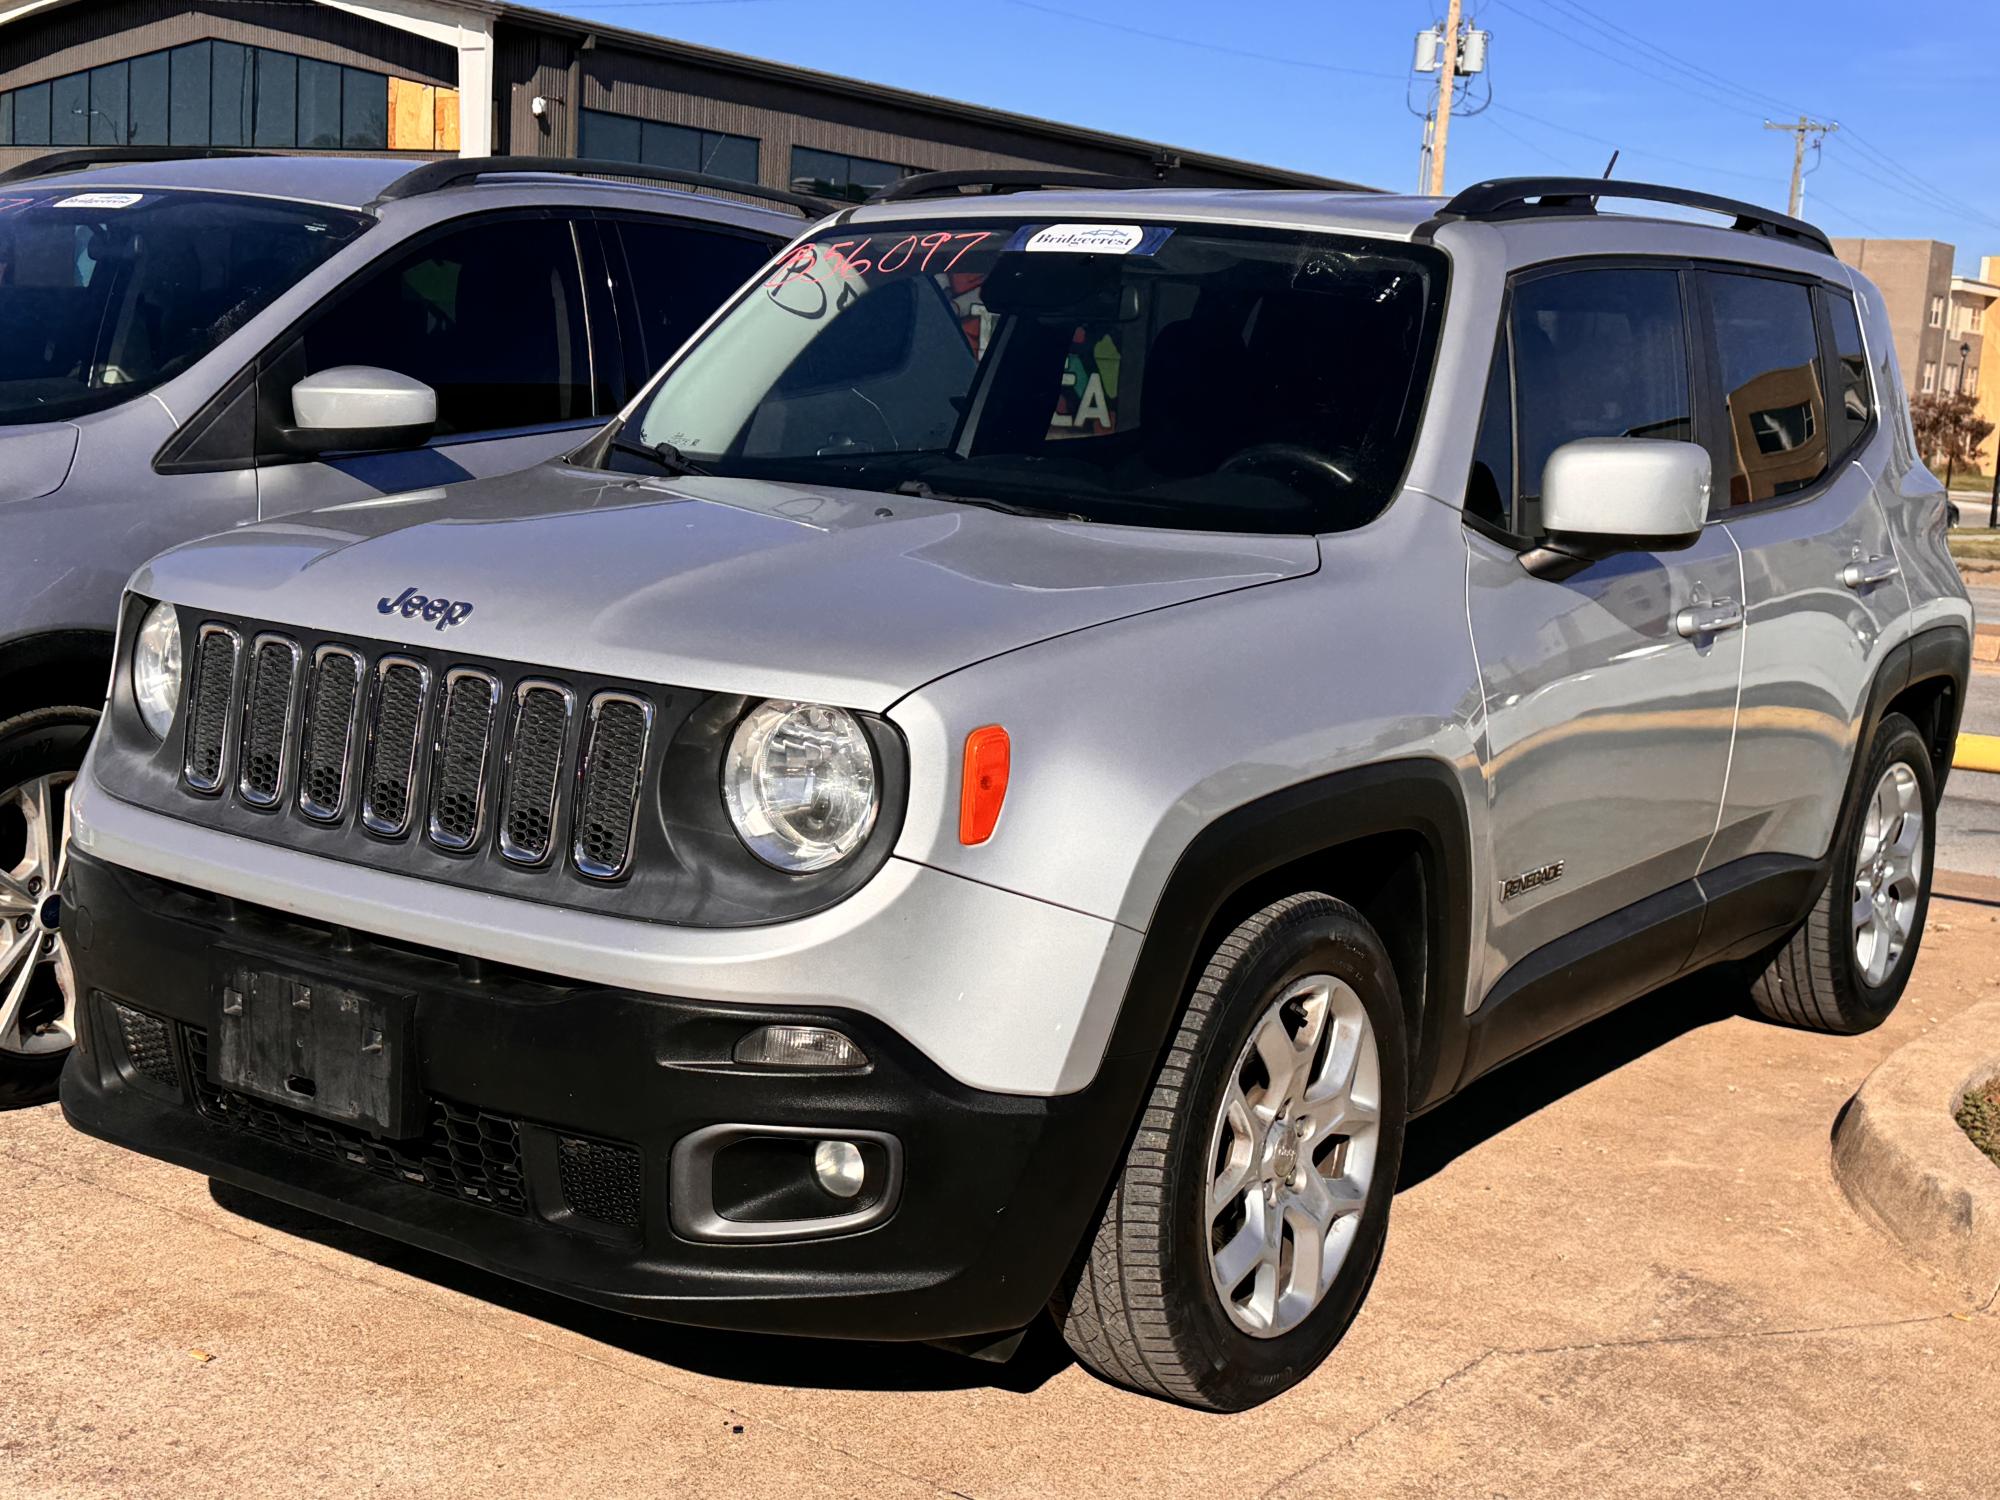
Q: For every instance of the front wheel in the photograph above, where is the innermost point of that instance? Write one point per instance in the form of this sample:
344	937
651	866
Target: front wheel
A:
1244	1229
40	752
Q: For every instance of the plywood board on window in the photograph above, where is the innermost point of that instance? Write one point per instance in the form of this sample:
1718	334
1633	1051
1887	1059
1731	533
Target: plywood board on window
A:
412	115
446	138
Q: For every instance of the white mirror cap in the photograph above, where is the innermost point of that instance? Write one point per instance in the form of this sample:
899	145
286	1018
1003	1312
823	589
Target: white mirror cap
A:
1626	487
361	396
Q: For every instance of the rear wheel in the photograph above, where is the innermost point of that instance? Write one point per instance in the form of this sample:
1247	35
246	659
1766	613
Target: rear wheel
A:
1845	968
40	752
1244	1229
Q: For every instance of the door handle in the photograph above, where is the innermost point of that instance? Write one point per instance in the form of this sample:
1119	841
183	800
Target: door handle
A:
1867	573
1709	619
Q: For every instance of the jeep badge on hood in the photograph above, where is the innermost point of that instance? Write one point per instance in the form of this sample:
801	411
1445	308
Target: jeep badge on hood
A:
409	604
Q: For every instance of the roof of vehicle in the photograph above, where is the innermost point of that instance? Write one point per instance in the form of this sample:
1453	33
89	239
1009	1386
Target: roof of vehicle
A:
1521	200
1382	215
357	182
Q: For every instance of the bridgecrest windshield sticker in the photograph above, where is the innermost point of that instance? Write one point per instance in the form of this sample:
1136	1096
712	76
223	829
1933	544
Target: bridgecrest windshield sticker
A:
99	200
1090	239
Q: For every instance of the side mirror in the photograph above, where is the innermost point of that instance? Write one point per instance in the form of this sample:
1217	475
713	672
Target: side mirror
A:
358	409
1602	496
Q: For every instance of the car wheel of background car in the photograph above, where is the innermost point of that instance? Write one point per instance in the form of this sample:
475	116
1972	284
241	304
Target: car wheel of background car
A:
1245	1226
39	755
1845	968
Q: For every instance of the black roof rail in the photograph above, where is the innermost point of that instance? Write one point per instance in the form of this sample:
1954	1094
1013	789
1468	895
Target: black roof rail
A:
954	184
1539	197
435	176
110	156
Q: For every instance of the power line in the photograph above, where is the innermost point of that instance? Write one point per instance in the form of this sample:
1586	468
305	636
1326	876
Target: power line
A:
1575	9
1584	135
1205	46
1712	88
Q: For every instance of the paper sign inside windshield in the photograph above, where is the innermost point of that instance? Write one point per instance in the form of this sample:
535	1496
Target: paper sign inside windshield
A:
1090	239
100	200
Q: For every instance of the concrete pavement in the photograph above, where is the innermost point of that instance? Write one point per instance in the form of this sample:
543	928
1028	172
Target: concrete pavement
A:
1620	1268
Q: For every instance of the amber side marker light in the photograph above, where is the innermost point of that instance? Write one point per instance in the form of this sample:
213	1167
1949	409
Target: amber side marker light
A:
987	754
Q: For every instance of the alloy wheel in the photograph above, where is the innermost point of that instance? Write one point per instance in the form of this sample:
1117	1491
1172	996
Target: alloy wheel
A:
1888	873
1292	1155
37	990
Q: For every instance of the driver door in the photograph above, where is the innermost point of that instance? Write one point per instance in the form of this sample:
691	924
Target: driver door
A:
1608	725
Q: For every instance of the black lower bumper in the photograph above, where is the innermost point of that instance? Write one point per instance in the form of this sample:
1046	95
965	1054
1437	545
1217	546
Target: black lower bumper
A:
547	1116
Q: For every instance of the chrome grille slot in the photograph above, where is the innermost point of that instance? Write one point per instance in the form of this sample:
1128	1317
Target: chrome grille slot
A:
535	744
458	773
333	702
615	737
266	745
395	739
211	695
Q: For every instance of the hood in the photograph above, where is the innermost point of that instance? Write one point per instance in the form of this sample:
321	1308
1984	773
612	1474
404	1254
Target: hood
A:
726	585
34	461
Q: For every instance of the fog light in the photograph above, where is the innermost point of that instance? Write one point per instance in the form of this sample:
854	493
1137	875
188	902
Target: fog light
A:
837	1165
799	1047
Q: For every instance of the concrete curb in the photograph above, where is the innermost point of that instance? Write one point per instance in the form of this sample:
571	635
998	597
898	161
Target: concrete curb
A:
1903	1161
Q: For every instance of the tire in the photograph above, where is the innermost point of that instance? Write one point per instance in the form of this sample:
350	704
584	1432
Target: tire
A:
1820	978
1144	1305
44	742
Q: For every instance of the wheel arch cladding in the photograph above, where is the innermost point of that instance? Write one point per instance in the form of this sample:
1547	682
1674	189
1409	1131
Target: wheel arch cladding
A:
54	667
1391	839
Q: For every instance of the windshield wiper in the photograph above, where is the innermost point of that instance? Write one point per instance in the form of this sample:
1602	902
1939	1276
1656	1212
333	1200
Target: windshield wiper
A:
670	459
923	491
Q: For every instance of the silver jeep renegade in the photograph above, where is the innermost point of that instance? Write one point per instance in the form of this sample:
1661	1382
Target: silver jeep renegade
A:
1052	729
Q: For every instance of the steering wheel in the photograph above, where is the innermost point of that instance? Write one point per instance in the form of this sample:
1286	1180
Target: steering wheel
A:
1274	458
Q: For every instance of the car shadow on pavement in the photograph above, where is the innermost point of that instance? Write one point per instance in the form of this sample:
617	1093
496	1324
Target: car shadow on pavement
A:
1527	1085
762	1359
1485	1110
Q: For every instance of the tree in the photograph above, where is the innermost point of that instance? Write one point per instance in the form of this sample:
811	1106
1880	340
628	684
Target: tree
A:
1948	428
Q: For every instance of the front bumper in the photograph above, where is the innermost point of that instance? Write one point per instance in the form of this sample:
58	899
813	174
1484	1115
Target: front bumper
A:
552	1110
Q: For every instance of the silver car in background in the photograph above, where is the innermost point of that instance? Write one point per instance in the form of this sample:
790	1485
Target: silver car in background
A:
189	345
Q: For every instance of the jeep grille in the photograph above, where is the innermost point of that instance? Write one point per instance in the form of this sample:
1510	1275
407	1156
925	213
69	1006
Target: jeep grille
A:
449	753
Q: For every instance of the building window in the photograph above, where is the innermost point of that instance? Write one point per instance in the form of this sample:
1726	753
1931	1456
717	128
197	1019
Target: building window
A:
1930	377
208	94
1937	312
832	175
608	137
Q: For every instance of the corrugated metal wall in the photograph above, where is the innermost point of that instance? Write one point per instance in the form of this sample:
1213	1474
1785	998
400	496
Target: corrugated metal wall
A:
778	108
76	37
777	113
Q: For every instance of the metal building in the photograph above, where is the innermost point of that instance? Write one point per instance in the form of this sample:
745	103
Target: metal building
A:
431	77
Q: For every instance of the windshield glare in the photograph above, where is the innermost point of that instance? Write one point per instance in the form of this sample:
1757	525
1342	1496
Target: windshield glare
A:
104	295
1183	375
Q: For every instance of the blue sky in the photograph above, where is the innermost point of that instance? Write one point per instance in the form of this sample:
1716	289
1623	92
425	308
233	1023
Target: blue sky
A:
1682	89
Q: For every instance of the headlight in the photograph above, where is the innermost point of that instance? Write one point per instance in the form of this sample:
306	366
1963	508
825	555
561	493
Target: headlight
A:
156	669
801	785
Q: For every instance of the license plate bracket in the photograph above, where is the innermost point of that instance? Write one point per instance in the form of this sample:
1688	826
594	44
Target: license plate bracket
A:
316	1045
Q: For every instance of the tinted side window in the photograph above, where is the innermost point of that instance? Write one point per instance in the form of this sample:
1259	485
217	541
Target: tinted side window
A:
489	316
1489	488
1767	354
678	277
1854	402
1596	354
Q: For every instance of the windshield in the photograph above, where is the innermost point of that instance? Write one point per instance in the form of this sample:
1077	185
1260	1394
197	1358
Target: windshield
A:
1184	375
104	295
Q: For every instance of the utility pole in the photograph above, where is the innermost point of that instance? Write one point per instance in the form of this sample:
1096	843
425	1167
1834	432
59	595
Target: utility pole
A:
1457	53
1448	77
1798	133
